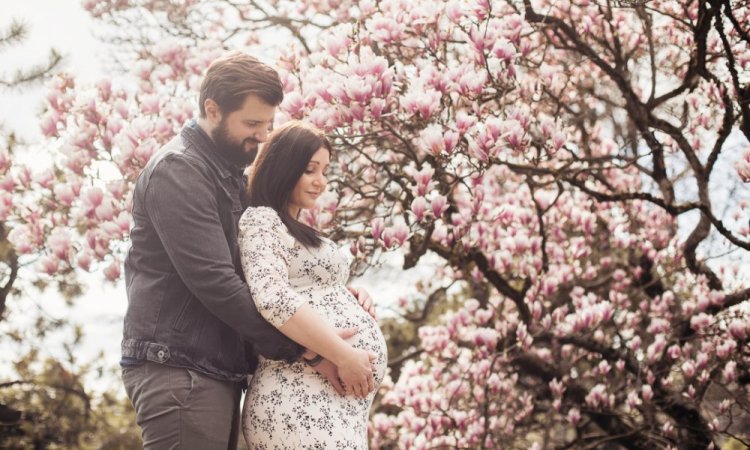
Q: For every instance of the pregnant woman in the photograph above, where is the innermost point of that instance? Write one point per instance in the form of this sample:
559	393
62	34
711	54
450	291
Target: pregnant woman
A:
297	278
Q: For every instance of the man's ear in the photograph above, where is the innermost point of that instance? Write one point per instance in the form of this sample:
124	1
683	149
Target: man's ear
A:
213	112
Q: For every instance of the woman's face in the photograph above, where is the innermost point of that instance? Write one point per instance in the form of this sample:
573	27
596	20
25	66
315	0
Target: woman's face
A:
311	184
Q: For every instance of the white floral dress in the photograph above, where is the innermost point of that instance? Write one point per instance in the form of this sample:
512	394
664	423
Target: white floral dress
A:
291	406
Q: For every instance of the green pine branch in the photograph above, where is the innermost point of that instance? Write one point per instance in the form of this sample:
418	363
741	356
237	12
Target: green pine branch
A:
15	34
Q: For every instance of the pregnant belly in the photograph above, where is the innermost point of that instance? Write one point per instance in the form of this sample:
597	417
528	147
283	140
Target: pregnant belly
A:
340	309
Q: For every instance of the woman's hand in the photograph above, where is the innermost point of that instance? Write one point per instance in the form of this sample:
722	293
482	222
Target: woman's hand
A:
355	372
365	301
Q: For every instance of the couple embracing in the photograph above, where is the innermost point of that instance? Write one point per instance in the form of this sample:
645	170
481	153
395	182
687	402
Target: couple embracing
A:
224	281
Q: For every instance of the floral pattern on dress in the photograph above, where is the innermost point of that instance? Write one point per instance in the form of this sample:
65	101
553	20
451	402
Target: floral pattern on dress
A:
289	405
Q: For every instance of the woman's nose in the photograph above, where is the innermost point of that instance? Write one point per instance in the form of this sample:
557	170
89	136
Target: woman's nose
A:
261	135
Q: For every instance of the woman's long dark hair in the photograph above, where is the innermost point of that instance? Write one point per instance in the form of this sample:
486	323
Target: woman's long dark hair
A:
280	164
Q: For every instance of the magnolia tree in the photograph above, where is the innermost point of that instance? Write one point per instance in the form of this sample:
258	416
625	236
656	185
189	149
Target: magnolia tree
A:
577	167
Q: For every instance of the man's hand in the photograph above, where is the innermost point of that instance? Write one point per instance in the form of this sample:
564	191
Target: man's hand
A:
365	301
327	368
331	373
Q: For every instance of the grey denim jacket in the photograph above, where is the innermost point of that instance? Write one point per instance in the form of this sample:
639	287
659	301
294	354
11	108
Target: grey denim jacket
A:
188	304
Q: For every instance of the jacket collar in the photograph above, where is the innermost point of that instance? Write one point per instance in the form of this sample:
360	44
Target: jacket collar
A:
194	134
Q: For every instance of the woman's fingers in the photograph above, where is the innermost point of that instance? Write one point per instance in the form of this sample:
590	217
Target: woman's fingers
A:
356	373
360	390
365	301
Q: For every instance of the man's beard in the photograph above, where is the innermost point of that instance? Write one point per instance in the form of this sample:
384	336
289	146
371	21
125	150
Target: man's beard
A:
232	150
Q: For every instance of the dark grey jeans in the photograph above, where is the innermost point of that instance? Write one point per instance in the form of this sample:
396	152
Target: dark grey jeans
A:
179	409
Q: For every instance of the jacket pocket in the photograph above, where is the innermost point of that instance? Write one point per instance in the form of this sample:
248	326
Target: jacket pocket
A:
183	314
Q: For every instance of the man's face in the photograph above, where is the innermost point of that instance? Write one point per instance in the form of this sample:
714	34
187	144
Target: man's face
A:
238	134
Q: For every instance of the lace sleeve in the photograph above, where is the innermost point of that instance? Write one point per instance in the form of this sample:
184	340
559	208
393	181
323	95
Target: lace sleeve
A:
264	249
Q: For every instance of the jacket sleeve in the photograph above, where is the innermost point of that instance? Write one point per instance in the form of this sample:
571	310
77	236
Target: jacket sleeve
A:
265	251
181	202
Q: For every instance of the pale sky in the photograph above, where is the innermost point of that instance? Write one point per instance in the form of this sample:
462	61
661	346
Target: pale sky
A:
62	24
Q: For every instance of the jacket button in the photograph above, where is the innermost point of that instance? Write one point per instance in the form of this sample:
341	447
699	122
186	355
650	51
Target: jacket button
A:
160	354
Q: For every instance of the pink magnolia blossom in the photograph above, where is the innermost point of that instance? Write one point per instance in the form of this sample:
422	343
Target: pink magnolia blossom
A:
293	104
60	243
386	30
438	205
739	329
688	369
377	107
647	393
338	41
729	373
700	321
421	102
743	166
471	83
432	139
93	197
633	400
395	234
44	178
376	227
98	243
6	205
485	337
419	208
170	52
48	264
524	338
48	123
423	178
726	348
84	260
5	160
112	271
674	352
105	211
23	239
574	416
598	397
504	50
464	122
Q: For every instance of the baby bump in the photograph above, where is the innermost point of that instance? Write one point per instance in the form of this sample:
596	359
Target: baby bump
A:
341	310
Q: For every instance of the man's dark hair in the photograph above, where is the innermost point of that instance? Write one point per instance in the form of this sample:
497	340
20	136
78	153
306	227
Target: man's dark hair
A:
231	78
280	164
